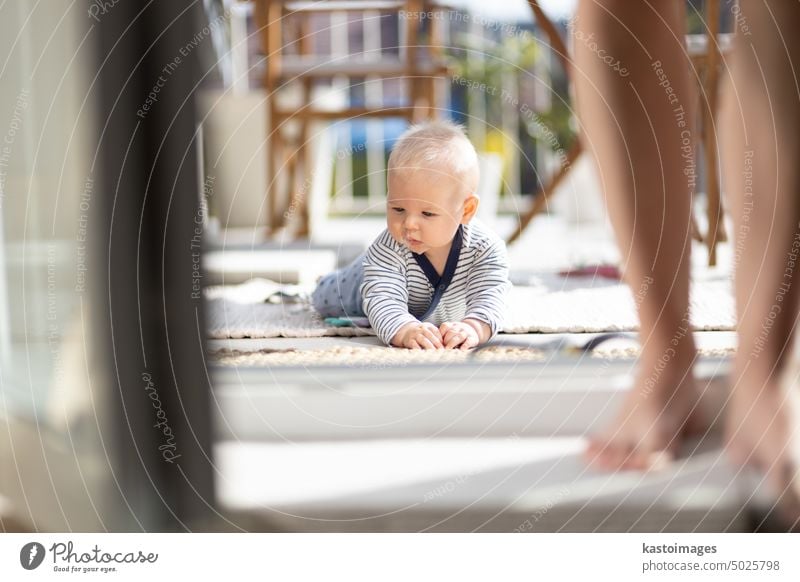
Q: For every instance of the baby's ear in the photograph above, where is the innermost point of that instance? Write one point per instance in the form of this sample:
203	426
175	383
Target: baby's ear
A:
470	208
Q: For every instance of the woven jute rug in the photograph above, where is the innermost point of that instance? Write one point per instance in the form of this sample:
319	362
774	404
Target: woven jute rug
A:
385	357
555	305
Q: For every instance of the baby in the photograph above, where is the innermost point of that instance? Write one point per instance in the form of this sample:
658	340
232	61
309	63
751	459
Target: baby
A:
435	278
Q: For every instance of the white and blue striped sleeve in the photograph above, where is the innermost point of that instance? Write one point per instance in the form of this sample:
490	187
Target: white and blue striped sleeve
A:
384	290
488	286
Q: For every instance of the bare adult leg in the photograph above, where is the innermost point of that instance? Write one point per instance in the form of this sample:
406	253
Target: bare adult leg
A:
762	170
632	84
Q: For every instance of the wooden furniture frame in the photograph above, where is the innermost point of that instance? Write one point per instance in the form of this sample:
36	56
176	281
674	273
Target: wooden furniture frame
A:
707	65
542	196
288	161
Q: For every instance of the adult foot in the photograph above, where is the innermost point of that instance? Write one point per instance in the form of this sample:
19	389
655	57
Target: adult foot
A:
763	432
654	421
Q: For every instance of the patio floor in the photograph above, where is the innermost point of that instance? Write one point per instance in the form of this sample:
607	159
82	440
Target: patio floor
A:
337	418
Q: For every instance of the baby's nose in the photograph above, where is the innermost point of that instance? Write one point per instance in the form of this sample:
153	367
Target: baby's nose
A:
410	222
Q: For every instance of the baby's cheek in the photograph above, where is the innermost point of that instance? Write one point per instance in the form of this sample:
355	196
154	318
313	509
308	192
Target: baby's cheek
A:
394	231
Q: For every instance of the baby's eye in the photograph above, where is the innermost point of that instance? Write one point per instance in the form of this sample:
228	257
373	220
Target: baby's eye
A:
398	209
428	214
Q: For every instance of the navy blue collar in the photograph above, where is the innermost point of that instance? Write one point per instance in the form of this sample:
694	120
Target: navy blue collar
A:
441	282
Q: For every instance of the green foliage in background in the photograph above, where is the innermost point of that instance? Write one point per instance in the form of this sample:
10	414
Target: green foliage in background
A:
484	62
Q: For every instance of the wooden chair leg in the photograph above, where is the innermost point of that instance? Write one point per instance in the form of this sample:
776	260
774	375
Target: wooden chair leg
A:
273	165
301	184
709	108
697	234
299	193
285	163
269	16
543	194
284	168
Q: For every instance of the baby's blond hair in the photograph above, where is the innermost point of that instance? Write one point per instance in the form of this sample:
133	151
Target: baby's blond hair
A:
439	146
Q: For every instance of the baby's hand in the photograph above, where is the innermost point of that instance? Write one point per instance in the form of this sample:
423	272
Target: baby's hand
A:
458	333
418	336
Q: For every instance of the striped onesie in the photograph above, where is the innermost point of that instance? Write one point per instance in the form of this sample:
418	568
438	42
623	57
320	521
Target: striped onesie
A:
394	287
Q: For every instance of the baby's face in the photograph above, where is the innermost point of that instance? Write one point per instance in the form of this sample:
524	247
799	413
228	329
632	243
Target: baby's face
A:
424	209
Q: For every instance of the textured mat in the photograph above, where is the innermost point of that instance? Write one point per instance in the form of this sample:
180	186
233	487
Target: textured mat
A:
370	357
382	357
244	311
547	304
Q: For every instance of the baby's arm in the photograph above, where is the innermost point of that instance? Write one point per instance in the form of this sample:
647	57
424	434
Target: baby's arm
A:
385	295
487	289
